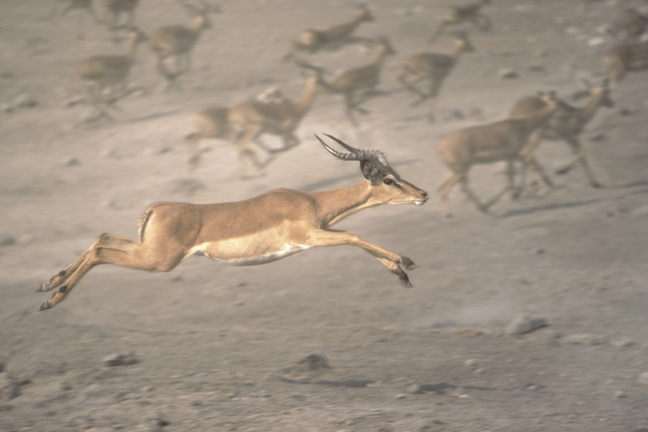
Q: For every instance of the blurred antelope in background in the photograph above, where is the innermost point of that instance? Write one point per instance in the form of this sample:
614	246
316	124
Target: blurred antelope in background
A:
113	9
468	13
178	41
566	124
501	141
106	76
334	38
360	84
434	68
621	59
246	122
62	7
629	25
259	230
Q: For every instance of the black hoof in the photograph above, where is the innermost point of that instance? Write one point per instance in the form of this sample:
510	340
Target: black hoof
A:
45	305
404	280
409	264
41	288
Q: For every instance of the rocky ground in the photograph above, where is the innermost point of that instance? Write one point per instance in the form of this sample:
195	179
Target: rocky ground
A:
326	340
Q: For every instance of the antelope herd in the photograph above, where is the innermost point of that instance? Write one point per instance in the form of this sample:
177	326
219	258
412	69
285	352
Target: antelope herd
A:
283	222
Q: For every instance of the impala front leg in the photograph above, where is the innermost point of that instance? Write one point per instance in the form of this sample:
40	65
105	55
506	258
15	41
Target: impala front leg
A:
389	259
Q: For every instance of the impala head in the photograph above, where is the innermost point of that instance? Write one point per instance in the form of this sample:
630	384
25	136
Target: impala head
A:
601	92
137	35
385	46
390	187
463	43
364	14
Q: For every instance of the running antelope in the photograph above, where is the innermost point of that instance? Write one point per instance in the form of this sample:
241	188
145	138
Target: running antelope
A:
468	13
629	25
106	75
115	8
357	85
621	59
501	141
213	122
566	124
65	6
249	120
178	41
263	229
245	123
434	68
334	38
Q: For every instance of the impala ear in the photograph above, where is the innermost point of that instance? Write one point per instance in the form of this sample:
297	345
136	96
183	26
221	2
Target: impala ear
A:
369	171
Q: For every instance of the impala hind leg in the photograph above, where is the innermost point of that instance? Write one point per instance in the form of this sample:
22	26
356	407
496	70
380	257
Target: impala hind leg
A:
110	249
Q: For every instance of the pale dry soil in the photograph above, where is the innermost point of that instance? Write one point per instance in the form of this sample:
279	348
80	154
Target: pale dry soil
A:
218	346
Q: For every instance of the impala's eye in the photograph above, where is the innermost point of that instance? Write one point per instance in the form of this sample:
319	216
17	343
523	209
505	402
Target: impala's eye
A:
388	181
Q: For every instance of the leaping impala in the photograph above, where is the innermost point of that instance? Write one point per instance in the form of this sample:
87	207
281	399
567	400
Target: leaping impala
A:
263	229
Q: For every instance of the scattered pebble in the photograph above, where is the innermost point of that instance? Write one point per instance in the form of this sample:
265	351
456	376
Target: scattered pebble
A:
597	137
72	102
72	161
586	339
120	359
401	396
524	323
414	389
622	342
7	241
24	101
507	73
596	41
619	394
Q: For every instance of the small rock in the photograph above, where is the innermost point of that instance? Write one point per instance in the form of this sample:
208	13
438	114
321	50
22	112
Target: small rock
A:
401	396
598	137
7	108
626	112
622	342
536	68
619	394
643	378
24	101
110	153
540	251
79	100
470	363
455	114
596	41
72	161
120	359
524	323
507	73
7	241
414	389
586	339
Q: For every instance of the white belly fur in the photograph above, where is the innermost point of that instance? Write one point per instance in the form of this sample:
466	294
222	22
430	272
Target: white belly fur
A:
286	250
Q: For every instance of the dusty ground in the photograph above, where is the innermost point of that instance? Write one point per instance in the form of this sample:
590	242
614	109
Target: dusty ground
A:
218	347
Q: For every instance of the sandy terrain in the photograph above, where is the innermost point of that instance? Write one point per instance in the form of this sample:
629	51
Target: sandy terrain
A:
218	348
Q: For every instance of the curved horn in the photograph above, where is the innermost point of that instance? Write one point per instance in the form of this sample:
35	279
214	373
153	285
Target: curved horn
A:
337	154
343	144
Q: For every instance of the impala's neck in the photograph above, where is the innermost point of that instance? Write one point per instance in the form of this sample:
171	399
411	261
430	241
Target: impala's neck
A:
132	47
458	50
587	111
534	120
307	97
335	205
199	24
380	57
355	22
